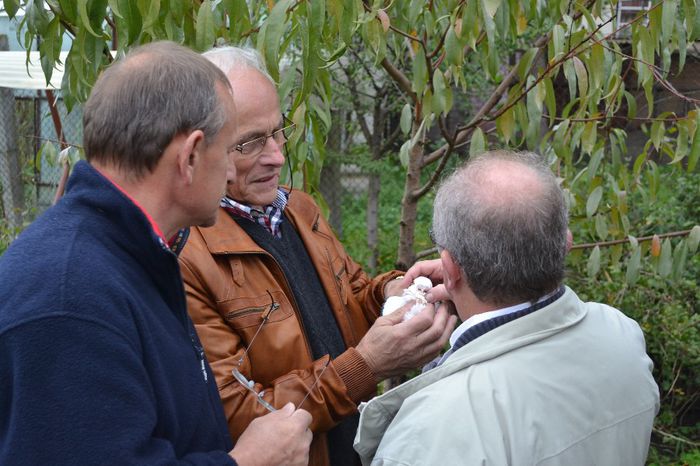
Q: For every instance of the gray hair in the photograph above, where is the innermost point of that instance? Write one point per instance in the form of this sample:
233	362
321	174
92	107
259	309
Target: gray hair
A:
510	243
231	57
142	101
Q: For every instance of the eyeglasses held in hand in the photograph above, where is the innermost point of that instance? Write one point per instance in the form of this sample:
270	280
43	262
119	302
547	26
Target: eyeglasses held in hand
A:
254	147
250	384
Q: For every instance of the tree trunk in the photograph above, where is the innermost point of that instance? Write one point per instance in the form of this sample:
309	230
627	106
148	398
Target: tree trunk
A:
372	221
10	168
330	185
409	209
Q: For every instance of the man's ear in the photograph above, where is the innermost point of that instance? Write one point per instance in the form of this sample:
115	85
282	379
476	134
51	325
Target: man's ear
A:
189	155
451	271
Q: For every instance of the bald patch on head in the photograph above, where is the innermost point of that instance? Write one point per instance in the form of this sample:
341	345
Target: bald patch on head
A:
503	217
502	183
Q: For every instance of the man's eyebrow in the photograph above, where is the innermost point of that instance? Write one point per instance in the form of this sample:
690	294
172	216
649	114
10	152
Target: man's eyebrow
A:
255	133
252	135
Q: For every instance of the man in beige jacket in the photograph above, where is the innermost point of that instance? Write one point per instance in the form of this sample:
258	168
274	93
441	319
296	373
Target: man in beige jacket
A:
534	375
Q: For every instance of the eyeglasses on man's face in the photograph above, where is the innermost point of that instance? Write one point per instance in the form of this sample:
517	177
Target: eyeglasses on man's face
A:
250	384
254	147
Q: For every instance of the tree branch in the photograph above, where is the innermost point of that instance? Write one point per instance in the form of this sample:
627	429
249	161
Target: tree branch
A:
439	44
420	192
367	70
676	438
426	253
623	241
403	82
434	250
496	95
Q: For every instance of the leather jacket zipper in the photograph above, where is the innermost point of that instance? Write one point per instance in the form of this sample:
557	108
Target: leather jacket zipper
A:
262	310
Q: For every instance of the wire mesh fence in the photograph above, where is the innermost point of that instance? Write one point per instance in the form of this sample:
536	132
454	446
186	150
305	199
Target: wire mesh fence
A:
30	166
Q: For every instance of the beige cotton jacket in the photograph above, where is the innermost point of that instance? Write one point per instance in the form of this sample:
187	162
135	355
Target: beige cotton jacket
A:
569	384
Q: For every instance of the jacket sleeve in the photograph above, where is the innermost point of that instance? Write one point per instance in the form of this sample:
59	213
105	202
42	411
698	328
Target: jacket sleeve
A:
74	391
331	399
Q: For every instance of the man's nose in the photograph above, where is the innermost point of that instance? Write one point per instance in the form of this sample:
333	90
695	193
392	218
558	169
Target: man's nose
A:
272	153
231	167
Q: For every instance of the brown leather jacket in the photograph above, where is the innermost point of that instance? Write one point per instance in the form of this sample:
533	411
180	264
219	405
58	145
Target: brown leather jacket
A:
227	279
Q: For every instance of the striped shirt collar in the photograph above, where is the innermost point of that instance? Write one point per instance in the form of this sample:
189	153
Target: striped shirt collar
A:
484	316
269	217
474	328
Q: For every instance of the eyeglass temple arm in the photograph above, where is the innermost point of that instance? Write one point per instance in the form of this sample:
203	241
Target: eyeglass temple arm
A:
265	317
311	388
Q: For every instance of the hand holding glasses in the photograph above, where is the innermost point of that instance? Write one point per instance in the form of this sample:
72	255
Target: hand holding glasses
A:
250	384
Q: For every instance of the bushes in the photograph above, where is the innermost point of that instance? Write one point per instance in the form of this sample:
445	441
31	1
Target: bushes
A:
7	234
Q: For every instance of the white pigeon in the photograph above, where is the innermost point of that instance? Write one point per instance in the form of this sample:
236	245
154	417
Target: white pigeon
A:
414	293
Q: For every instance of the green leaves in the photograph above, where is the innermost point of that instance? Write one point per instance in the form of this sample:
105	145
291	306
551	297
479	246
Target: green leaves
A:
593	264
238	16
668	20
693	239
593	201
11	7
658	130
270	36
695	147
581	77
50	47
130	21
453	48
420	73
406	119
86	18
206	27
478	143
666	259
490	7
506	125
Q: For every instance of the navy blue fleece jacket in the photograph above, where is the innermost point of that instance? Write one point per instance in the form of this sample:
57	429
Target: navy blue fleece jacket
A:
99	362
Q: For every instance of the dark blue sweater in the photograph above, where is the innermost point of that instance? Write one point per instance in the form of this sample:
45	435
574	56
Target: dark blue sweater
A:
99	362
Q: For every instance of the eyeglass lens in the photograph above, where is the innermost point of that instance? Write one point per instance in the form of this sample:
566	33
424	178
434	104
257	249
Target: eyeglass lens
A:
280	136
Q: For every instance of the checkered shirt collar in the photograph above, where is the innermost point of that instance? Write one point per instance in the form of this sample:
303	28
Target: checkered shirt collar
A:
270	217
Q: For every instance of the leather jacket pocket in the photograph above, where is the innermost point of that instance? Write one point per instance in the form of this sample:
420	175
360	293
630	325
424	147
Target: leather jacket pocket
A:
249	311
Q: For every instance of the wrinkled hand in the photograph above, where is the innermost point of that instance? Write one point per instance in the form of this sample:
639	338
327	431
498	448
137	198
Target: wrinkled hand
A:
391	347
395	287
433	270
279	438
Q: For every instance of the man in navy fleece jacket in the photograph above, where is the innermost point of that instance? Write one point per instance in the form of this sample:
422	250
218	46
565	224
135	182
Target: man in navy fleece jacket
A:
99	362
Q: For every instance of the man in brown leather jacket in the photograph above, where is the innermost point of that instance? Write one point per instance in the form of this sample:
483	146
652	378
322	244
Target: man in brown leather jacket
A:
274	295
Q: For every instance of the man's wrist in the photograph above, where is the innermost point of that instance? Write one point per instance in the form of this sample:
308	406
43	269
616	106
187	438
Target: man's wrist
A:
355	371
391	287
